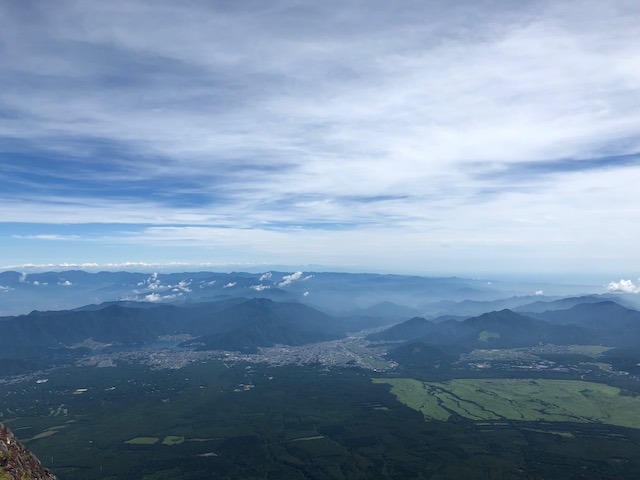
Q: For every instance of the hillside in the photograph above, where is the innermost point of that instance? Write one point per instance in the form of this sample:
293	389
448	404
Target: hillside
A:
18	463
261	322
395	297
541	306
413	328
229	324
600	316
501	329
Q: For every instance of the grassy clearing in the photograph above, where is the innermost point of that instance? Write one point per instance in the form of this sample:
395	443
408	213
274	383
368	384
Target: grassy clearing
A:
527	400
319	447
588	349
376	362
47	433
143	441
605	367
486	335
172	440
415	394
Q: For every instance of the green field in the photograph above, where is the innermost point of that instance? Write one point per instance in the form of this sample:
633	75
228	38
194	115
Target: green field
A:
172	440
588	349
486	335
143	441
525	400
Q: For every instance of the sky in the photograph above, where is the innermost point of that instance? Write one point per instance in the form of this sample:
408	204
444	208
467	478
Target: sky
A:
429	137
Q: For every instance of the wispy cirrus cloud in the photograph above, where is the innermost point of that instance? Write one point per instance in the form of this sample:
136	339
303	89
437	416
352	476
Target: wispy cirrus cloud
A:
96	265
262	128
45	236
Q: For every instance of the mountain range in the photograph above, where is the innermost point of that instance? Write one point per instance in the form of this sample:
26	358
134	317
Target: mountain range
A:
229	324
359	294
603	323
298	309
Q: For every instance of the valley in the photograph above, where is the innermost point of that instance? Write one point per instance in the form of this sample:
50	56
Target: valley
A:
335	409
256	388
255	420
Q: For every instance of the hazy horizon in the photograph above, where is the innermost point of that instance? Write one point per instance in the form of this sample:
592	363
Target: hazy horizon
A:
605	282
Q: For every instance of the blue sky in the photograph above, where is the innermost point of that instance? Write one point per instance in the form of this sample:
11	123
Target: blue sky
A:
423	137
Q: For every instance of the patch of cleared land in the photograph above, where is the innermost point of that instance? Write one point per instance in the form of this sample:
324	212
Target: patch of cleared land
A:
47	433
143	441
306	439
486	335
375	362
527	400
172	440
208	454
588	349
605	367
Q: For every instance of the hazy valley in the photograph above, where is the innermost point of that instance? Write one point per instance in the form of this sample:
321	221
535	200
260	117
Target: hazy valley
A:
377	376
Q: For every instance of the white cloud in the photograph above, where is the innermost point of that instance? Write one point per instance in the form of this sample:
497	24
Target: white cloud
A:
497	89
265	276
153	297
112	265
48	237
289	279
78	265
539	292
88	266
172	296
623	286
294	277
423	106
4	289
259	288
230	284
183	286
65	283
153	283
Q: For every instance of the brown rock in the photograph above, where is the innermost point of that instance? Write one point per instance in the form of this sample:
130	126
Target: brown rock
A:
18	463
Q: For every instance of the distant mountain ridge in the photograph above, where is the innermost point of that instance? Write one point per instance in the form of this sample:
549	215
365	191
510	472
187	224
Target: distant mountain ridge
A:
602	315
387	310
413	328
402	296
542	306
601	323
262	323
230	324
246	324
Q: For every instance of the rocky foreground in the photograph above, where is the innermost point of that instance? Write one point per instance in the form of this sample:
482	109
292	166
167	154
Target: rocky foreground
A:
18	463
